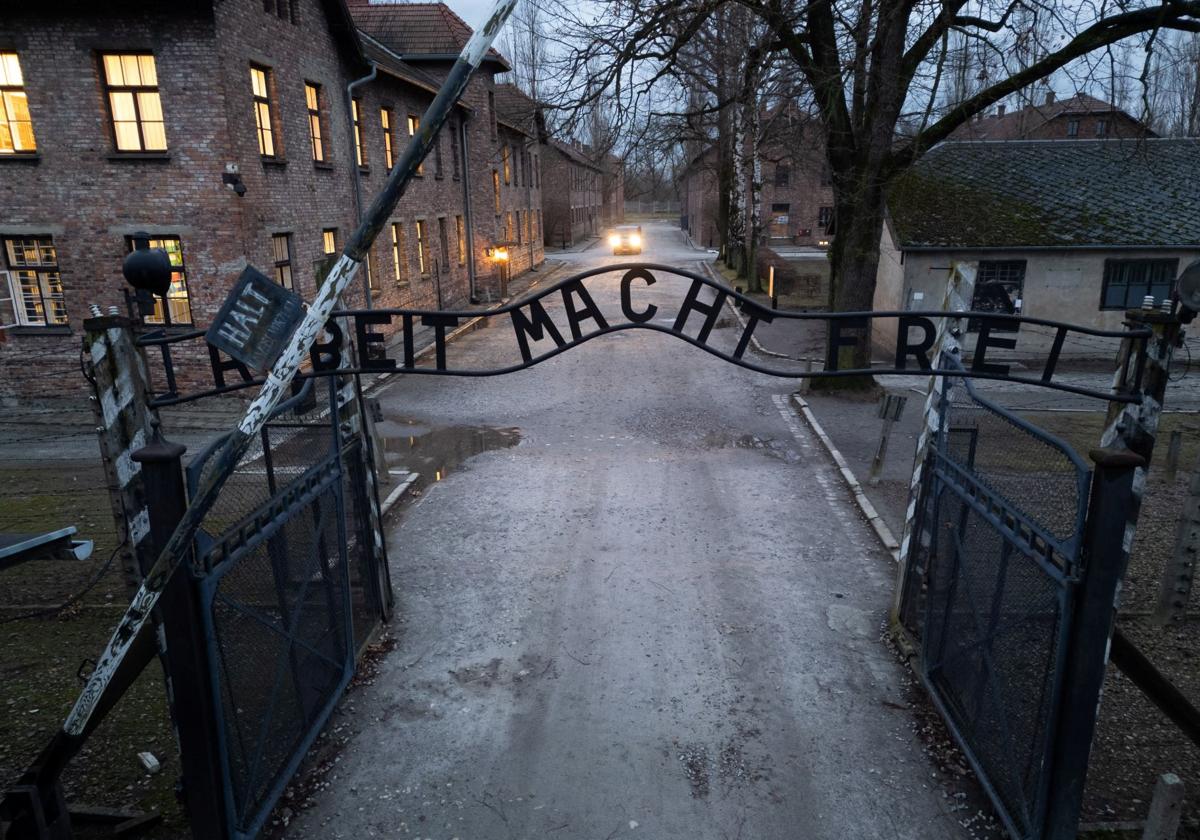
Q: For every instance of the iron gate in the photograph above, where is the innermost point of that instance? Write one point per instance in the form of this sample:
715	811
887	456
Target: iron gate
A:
996	557
291	583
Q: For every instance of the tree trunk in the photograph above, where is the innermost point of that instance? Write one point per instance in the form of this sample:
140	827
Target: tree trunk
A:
736	250
752	281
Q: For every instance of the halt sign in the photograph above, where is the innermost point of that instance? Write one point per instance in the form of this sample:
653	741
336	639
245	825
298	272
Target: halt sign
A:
256	320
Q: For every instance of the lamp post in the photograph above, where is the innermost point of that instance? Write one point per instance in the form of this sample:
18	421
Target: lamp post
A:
499	255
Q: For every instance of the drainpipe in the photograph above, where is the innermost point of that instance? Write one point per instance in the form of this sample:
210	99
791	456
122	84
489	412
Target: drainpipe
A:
354	173
465	170
529	225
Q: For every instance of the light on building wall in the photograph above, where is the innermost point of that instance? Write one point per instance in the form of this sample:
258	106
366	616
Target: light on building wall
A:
498	253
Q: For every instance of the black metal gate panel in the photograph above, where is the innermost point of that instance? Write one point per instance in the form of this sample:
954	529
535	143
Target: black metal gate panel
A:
995	559
290	586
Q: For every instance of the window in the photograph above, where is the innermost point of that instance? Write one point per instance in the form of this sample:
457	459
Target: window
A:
422	249
414	124
260	87
492	112
437	157
16	127
368	264
1072	128
539	224
360	147
506	163
518	228
1126	282
825	218
35	282
496	188
508	226
443	240
329	241
282	9
312	100
385	120
454	150
1101	128
131	87
998	285
460	228
177	293
782	175
399	253
281	250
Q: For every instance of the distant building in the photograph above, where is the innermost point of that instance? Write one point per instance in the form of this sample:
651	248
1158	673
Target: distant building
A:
1081	117
572	203
612	191
1072	231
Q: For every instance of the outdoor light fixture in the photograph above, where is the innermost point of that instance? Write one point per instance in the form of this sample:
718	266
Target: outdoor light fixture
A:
1187	287
232	179
147	269
500	253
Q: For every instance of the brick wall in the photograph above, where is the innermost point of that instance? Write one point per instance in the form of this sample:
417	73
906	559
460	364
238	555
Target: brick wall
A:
572	203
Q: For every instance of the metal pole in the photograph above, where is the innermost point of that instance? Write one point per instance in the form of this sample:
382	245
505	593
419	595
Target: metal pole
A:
102	687
1088	641
880	453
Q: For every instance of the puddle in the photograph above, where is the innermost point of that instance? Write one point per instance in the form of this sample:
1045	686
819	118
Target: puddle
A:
432	453
765	446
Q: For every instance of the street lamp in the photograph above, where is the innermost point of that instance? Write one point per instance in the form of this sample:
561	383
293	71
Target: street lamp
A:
148	270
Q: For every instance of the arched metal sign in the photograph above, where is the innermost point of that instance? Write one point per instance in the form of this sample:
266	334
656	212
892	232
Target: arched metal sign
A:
569	313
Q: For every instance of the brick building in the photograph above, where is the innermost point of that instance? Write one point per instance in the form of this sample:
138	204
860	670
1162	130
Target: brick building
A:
796	201
573	207
1080	117
612	194
224	131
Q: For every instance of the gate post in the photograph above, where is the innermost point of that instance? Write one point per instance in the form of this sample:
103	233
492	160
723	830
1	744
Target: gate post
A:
189	689
123	425
1088	639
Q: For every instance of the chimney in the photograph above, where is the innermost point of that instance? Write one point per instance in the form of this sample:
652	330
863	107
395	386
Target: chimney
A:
1000	109
1049	97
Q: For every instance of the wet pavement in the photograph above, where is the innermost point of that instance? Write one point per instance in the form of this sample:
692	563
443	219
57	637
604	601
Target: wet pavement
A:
635	600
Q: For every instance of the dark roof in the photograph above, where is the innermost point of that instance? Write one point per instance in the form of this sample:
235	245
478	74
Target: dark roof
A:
389	62
417	31
572	154
515	109
1050	193
1019	124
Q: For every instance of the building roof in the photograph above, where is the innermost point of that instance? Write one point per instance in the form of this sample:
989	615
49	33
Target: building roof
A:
389	62
573	154
417	31
1019	124
516	110
1050	193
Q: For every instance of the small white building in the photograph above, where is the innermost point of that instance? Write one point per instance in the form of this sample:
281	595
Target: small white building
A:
1075	231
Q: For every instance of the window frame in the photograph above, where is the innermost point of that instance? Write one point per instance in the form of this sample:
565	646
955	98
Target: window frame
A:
134	92
283	267
9	121
506	163
42	272
399	254
422	231
1102	128
259	102
316	128
1168	264
455	153
413	122
997	273
496	188
1073	127
156	241
783	175
329	241
360	139
386	124
460	230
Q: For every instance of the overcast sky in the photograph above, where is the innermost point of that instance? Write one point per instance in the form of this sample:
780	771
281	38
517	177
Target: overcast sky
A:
474	12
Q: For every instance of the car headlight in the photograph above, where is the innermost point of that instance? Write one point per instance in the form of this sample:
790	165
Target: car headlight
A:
635	241
614	240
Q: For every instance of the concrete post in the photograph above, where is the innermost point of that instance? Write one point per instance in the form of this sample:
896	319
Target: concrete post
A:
120	405
1165	809
1175	588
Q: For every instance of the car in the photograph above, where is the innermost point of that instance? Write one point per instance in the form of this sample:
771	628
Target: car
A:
626	239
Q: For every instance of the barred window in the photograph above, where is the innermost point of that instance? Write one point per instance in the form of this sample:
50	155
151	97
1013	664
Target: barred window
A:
131	87
34	281
312	98
998	288
16	126
261	96
281	251
1127	282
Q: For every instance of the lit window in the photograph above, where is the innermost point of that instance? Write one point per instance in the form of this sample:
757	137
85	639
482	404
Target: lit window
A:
372	282
329	241
508	226
422	249
177	294
131	85
34	281
414	124
504	160
312	97
399	253
281	251
496	188
16	128
462	239
360	149
385	119
259	84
